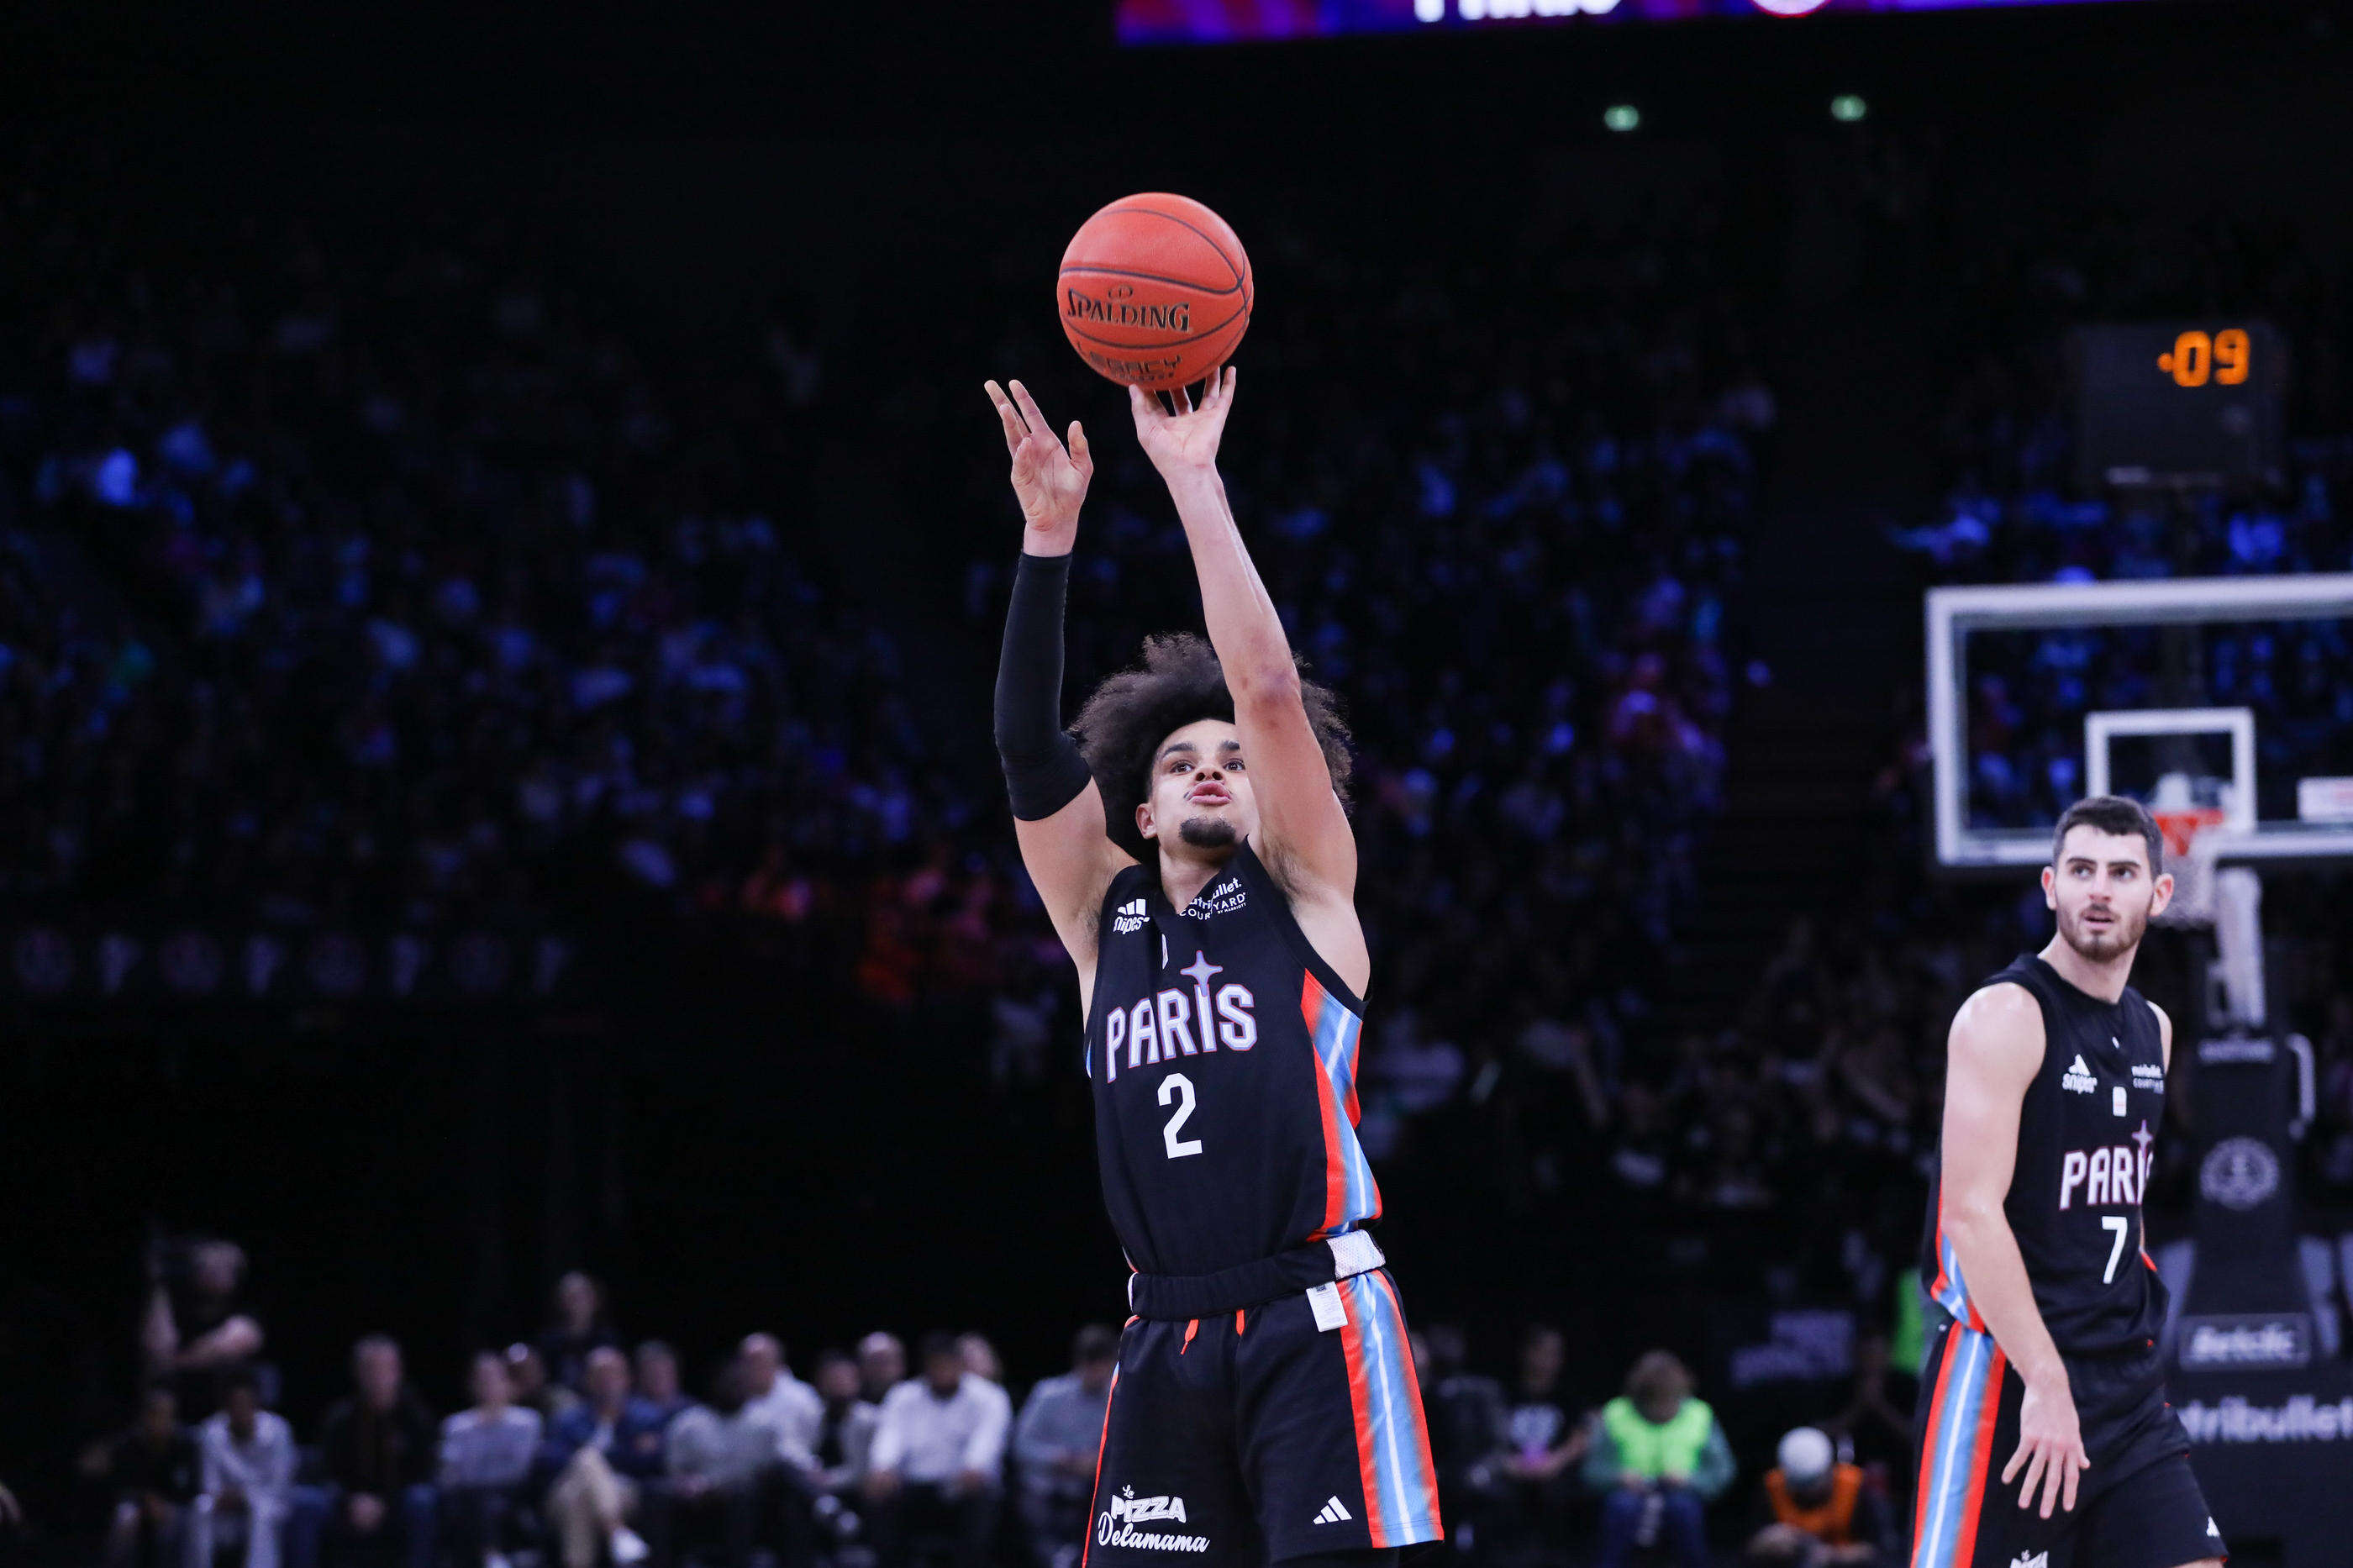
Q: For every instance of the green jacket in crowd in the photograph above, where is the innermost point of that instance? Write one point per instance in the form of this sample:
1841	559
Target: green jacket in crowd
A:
1690	1443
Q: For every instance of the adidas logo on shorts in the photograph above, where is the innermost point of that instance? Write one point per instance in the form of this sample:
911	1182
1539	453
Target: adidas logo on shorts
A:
1334	1513
1128	917
2040	1560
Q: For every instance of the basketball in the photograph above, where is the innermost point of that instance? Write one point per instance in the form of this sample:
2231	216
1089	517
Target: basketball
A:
1155	291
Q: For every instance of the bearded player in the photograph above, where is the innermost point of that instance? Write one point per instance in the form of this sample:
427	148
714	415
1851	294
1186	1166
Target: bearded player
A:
2043	1360
1195	855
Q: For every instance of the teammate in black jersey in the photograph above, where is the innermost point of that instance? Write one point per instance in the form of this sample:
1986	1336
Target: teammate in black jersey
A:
1197	862
2044	1350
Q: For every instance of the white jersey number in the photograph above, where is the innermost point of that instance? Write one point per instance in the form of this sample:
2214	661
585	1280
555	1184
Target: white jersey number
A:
1179	1088
2115	1222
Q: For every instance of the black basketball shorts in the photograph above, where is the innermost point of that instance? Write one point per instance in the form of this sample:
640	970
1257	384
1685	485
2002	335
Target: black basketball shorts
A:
2138	1506
1256	1437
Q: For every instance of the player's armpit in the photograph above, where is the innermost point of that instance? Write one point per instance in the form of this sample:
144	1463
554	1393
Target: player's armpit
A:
1072	862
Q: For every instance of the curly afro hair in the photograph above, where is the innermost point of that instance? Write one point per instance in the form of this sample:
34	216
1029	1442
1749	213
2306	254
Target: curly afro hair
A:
1178	682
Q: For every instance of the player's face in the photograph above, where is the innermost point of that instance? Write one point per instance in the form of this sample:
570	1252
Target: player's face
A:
1200	789
2103	893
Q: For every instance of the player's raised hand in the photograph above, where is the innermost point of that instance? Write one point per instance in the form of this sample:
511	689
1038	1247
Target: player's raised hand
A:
2050	1448
1187	439
1049	480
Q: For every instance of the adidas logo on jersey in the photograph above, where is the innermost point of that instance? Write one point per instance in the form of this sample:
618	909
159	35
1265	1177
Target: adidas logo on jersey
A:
1334	1513
1130	916
2040	1560
2079	1078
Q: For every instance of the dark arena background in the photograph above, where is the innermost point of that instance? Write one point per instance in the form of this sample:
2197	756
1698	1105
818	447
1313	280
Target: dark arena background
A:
503	550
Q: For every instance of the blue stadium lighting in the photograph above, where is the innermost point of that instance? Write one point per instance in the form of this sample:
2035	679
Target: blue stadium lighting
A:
1848	107
1621	117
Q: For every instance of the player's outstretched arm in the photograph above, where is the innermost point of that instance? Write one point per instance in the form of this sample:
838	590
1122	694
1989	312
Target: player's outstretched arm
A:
1303	835
1058	812
1995	1050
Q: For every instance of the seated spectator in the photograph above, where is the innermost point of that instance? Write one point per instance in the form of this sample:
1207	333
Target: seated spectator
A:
1056	1441
1874	1430
533	1389
1816	1512
881	1365
196	1327
486	1458
576	1325
778	1400
716	1458
980	1357
153	1471
938	1454
378	1447
1546	1434
602	1451
845	1432
247	1460
1470	1440
1659	1458
658	1383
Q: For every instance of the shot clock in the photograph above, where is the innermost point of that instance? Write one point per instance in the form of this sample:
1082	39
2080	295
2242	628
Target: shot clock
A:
2187	403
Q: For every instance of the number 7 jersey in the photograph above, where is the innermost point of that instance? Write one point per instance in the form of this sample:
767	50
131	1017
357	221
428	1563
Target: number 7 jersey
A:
1223	1051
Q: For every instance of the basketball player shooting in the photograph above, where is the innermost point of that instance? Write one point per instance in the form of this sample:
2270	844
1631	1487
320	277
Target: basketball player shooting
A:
1194	852
2043	1359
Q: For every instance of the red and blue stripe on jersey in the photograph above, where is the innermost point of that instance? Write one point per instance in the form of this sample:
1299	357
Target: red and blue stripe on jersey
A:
1351	1198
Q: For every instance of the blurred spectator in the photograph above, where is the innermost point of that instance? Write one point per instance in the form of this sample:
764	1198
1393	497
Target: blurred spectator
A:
378	1447
1657	1459
153	1470
1470	1441
778	1400
939	1452
576	1325
247	1461
657	1381
1816	1512
980	1357
1874	1430
487	1451
533	1389
1546	1435
881	1365
1056	1441
602	1450
716	1458
196	1327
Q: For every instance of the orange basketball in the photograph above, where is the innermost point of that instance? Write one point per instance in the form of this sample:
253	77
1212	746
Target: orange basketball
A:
1155	291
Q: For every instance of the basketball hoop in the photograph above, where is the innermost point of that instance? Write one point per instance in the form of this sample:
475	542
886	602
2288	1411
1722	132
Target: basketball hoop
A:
2190	846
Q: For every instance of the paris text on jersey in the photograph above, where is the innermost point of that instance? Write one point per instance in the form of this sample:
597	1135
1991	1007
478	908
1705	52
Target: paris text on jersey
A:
2110	1177
1177	1021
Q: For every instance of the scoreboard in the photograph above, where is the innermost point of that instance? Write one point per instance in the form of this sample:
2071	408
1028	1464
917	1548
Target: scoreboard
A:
2193	402
1235	21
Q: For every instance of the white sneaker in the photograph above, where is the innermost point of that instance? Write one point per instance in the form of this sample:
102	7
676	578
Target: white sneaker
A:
495	1560
630	1547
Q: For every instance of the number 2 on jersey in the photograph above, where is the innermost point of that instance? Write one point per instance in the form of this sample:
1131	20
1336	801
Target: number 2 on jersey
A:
1177	1087
2115	1222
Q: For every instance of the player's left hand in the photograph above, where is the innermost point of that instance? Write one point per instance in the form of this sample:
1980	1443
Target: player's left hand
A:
1184	441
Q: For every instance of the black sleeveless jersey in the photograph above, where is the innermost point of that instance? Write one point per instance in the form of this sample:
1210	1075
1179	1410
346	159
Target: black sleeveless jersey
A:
2086	1139
1222	1050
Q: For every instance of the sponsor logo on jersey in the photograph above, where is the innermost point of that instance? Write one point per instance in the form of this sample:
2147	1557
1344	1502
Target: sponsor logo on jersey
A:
2110	1176
2238	1173
1115	1526
2247	1340
2299	1419
1181	1021
2149	1075
2079	1078
1224	898
1334	1513
1130	916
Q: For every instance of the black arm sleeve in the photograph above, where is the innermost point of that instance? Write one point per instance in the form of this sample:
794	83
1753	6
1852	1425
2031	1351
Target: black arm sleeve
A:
1043	770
